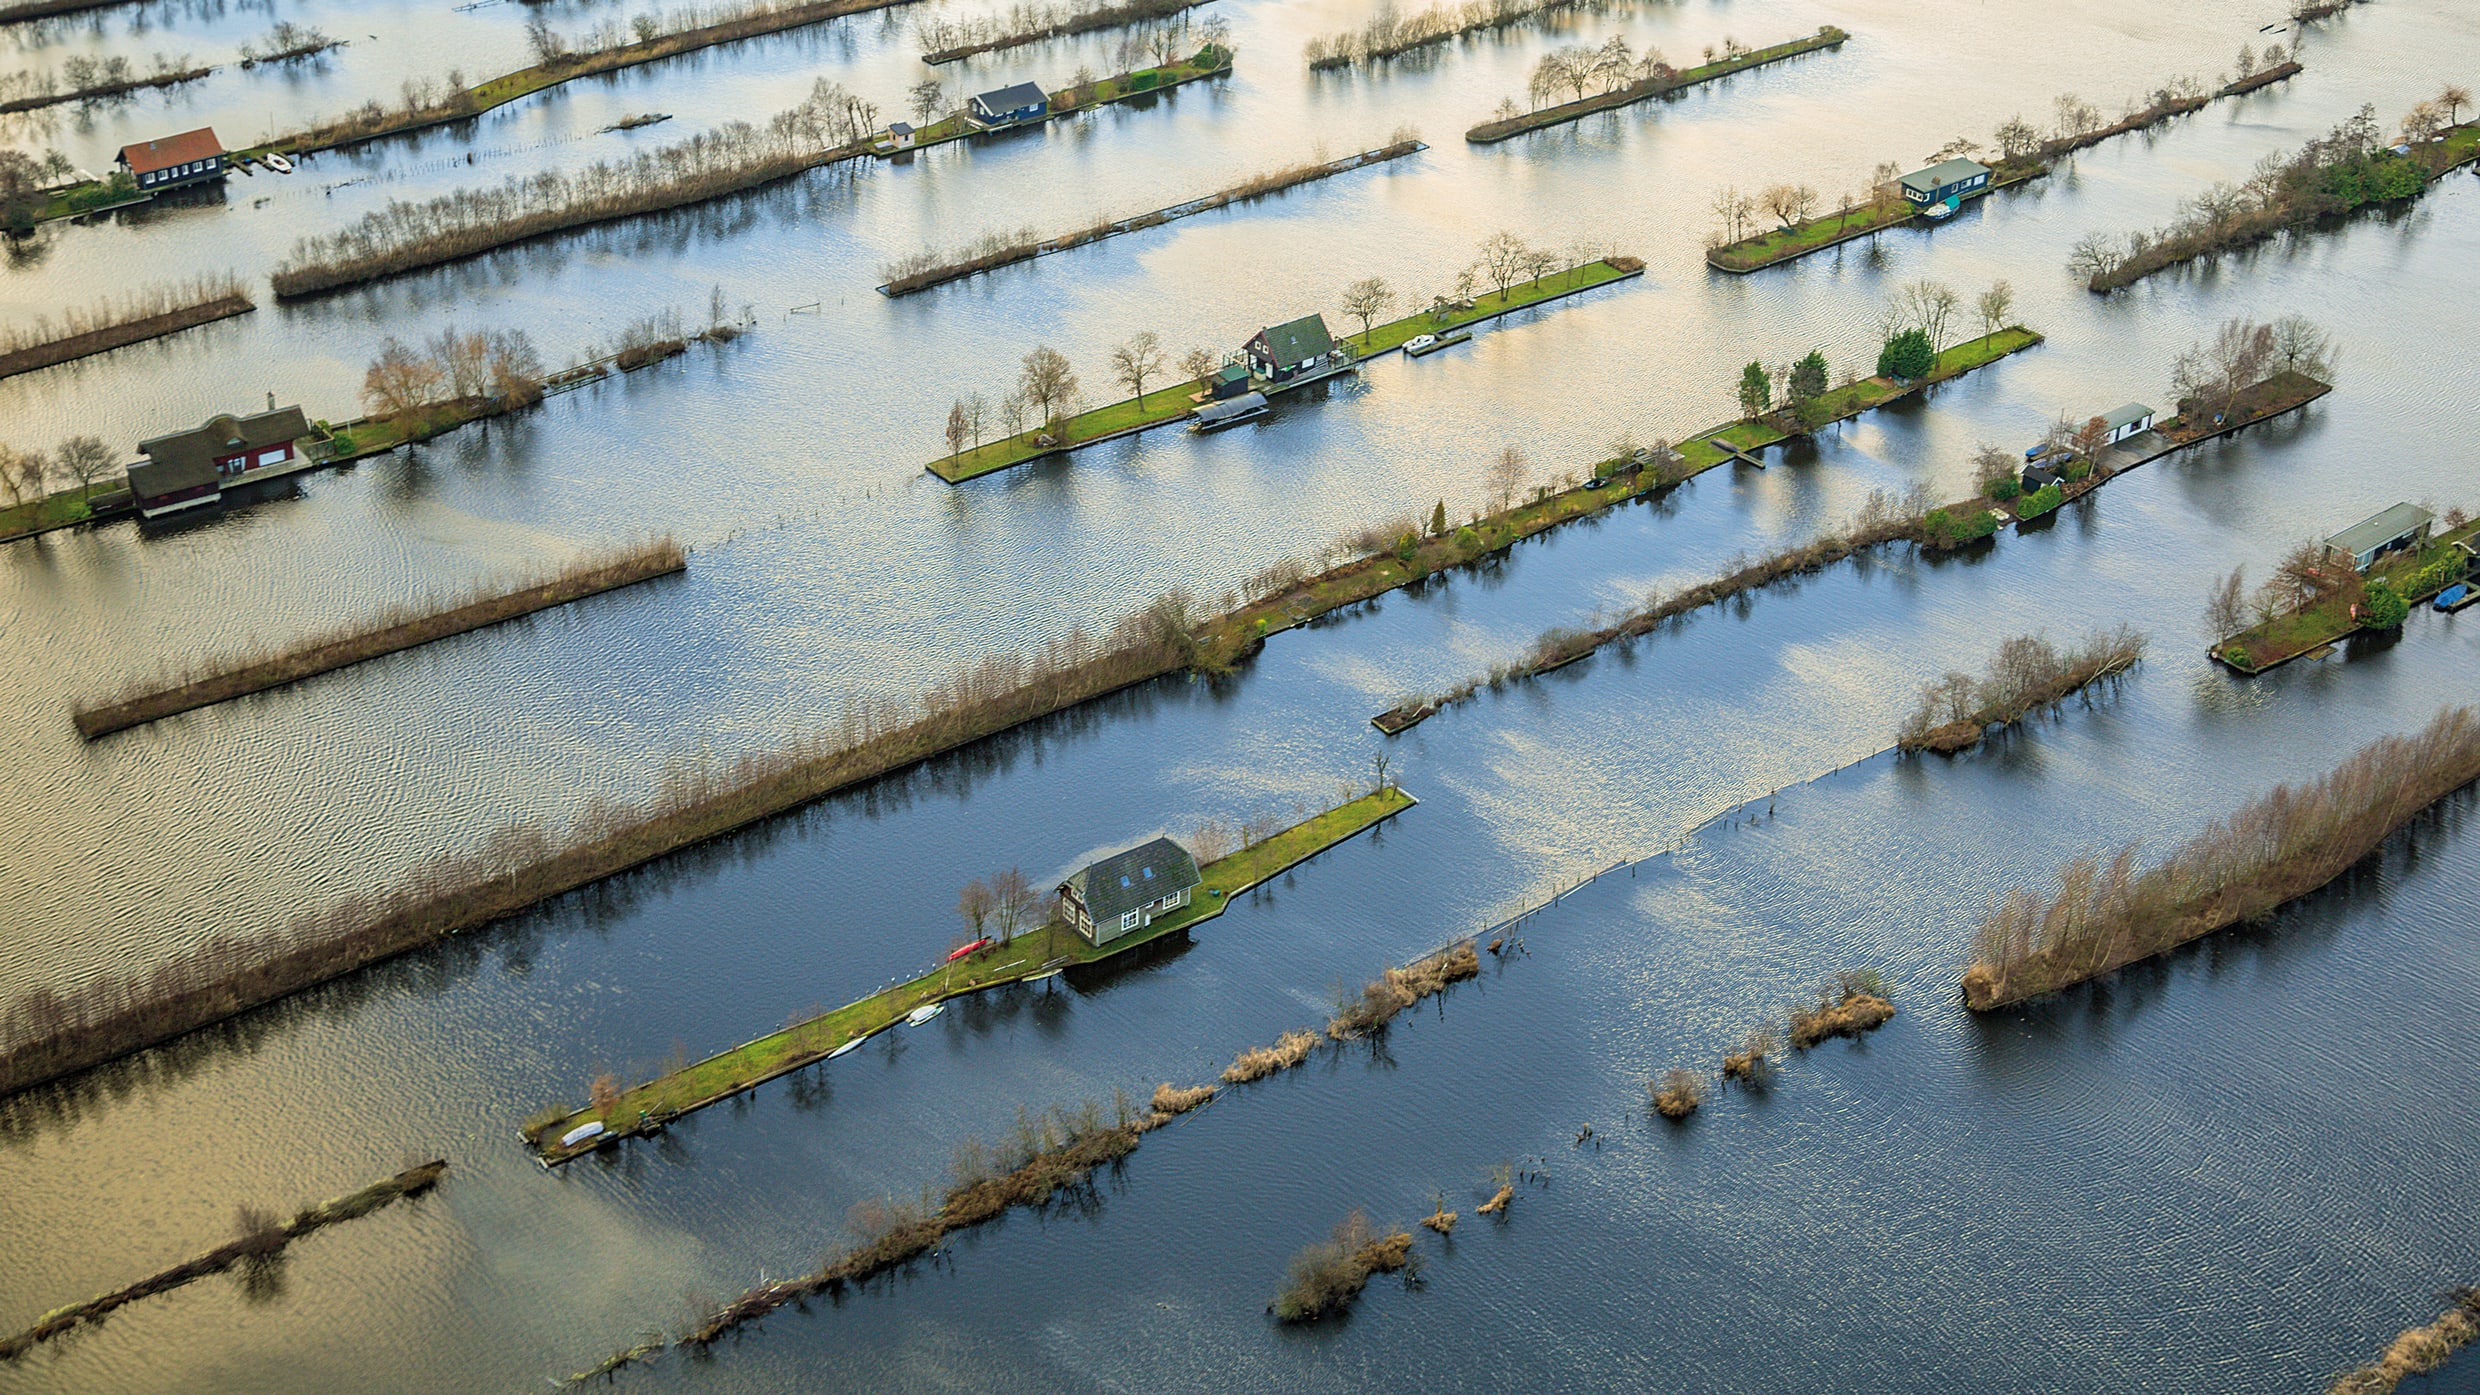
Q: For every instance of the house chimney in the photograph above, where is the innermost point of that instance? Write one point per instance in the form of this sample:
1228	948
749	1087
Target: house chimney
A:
271	400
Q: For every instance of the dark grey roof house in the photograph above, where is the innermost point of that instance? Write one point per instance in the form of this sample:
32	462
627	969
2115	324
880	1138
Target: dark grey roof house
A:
1282	351
190	468
1123	893
1023	102
1947	183
2396	528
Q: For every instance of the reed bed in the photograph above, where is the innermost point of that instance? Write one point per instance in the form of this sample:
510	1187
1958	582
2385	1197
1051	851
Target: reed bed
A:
2027	675
2417	1350
1383	997
84	79
258	1235
46	1034
1327	1276
2273	850
1258	1062
1678	1093
405	237
114	322
1884	518
1389	34
401	628
947	41
1853	1007
919	271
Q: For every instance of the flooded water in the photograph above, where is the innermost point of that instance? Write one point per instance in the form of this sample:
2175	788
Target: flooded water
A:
2242	1168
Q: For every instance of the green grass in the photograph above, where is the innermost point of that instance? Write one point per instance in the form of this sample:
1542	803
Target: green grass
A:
2286	637
1781	244
1168	404
727	1073
86	198
50	511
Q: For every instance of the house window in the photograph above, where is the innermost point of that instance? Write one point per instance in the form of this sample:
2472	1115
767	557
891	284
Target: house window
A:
270	457
1128	921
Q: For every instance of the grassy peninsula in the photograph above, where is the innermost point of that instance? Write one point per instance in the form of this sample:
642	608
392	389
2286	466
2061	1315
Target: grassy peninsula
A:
1626	84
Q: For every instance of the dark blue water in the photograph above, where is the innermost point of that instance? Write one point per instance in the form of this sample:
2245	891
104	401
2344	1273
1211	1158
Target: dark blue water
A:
2241	1169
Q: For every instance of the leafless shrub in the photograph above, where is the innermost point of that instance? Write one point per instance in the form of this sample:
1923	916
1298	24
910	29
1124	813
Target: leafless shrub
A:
1390	33
2272	850
1258	1062
1852	1006
1327	1276
2417	1350
1390	993
1678	1093
2027	674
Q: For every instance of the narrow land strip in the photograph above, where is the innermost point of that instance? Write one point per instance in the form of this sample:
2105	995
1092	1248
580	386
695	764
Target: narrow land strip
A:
1660	84
102	340
646	1108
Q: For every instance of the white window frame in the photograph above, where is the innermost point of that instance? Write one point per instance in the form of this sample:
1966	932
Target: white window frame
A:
1128	921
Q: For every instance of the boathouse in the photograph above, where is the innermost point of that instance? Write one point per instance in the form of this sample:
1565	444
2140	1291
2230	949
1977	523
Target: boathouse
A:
190	468
1279	353
1948	183
192	157
1024	102
2400	527
2130	420
1125	892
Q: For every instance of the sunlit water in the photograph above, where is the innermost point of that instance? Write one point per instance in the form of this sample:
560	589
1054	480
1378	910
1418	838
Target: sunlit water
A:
2241	1169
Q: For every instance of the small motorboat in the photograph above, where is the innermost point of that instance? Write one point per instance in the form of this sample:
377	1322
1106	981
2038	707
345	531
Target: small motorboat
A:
275	161
2455	597
1417	348
853	1045
923	1013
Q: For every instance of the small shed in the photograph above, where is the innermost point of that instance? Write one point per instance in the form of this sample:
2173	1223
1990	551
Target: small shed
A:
1230	380
192	157
2133	419
1127	891
899	137
1949	183
2395	529
1285	351
2040	477
1026	101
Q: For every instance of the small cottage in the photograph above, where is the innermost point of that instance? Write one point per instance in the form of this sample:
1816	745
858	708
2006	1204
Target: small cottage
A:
190	468
1026	101
161	487
1125	892
2401	527
2131	420
192	157
1279	353
899	137
1946	184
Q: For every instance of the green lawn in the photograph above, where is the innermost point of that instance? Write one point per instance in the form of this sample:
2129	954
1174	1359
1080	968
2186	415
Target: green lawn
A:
727	1073
50	511
1779	243
2286	637
1164	405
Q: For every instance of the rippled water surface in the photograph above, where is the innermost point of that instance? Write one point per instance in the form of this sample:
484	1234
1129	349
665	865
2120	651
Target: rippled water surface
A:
2241	1168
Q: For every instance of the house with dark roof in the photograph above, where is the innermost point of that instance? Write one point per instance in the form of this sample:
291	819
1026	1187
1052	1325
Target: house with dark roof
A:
2134	419
1026	101
190	468
1279	353
1946	184
1127	891
192	157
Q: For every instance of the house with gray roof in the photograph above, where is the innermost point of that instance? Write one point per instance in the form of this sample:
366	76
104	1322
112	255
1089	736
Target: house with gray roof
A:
1946	184
1127	891
2133	419
1026	101
1279	353
188	469
2400	527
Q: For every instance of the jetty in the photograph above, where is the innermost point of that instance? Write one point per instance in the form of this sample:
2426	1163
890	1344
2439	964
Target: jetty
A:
1053	948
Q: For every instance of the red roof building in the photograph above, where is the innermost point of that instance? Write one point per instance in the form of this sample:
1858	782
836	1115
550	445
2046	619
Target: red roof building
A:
188	158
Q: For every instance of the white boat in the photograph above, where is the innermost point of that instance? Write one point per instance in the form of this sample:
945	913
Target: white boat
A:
580	1134
854	1044
923	1013
276	161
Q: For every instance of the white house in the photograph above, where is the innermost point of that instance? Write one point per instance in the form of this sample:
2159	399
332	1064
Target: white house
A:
2130	420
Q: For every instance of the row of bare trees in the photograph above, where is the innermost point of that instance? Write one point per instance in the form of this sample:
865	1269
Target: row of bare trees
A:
1390	32
84	79
2349	167
406	379
1162	29
2026	675
2105	913
287	43
79	461
406	236
1001	907
131	307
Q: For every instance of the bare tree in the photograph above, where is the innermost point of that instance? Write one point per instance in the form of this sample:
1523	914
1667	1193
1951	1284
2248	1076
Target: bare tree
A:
2303	347
400	380
1507	475
977	417
1012	901
958	427
1930	306
1366	300
2454	98
974	904
1137	360
85	459
1996	307
1199	364
1789	203
2225	606
1503	259
927	97
1733	209
1048	384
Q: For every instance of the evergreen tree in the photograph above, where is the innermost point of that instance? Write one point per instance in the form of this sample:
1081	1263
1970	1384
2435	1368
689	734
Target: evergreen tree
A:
1756	391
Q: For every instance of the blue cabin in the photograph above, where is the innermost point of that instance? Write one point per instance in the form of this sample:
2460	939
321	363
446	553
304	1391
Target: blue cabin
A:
1026	101
1946	185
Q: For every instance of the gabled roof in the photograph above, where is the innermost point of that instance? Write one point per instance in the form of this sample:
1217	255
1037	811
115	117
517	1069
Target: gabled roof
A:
1016	98
1298	341
164	152
1124	881
224	435
1938	176
2378	529
2128	415
153	479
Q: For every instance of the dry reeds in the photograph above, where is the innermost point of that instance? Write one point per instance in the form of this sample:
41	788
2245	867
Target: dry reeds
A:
406	237
1258	1062
1754	1061
1497	1204
2027	675
2416	1351
402	627
1389	33
946	41
1391	992
257	1233
128	319
46	1034
1327	1276
2272	850
1170	1099
1678	1093
1440	1219
1852	1006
